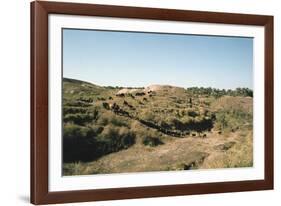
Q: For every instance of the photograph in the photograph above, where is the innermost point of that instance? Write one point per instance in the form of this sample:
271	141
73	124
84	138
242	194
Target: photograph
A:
147	102
131	102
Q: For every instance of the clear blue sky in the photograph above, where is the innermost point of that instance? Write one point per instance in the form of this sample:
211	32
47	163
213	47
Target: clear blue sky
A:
109	58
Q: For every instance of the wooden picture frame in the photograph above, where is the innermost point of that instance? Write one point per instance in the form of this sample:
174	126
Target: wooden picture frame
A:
40	193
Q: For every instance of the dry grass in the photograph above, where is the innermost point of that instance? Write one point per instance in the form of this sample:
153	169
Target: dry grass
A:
174	155
240	155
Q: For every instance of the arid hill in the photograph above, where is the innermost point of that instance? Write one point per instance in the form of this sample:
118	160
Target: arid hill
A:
155	128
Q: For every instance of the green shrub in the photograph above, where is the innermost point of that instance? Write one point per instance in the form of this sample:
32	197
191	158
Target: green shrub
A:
152	141
108	117
89	143
231	120
80	119
118	121
73	110
75	131
147	116
116	138
164	125
192	113
74	103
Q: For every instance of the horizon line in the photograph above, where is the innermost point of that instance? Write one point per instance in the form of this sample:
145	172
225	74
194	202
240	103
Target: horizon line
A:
90	82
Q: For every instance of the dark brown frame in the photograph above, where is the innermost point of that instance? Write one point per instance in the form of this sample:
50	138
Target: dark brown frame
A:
39	102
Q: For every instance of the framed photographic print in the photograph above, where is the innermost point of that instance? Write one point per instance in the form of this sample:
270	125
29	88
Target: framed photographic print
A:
131	102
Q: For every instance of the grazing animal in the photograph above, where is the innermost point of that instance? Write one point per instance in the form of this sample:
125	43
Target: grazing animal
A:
114	107
128	105
124	113
106	105
140	94
131	95
144	99
120	95
125	103
131	107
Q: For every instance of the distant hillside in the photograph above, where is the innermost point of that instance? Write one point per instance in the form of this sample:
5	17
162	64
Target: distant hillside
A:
104	122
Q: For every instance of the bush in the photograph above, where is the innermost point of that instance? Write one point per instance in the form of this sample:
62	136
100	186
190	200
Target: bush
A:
230	120
77	142
75	131
107	118
110	132
126	136
74	103
118	121
80	119
198	124
73	110
152	141
192	113
116	138
147	116
164	125
89	143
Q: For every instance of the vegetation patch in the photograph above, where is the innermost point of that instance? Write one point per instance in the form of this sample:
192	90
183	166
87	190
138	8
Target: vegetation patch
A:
152	141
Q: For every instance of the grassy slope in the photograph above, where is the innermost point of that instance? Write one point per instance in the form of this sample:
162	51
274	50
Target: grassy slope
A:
100	140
